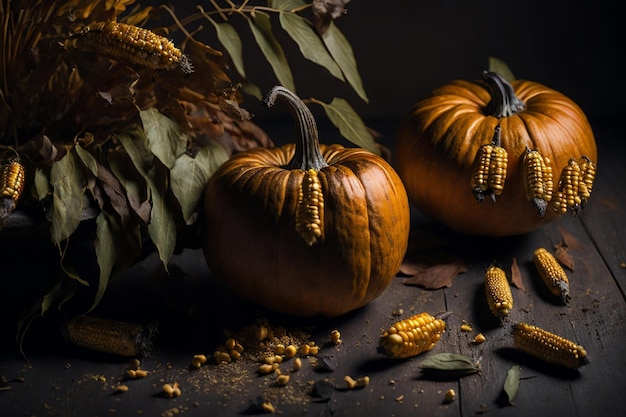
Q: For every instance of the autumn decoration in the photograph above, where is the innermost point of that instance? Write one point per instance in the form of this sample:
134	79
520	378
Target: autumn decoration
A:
496	157
306	229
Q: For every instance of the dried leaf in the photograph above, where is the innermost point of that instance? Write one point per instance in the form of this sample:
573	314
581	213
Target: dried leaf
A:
132	182
562	255
68	183
261	28
450	363
516	275
569	240
325	11
42	183
511	384
310	44
433	270
165	138
189	176
342	53
342	115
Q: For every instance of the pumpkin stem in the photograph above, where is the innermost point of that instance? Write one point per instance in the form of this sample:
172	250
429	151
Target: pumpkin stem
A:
504	102
307	154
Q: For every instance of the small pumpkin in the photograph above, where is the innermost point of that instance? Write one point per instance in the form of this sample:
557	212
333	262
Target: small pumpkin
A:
441	140
305	229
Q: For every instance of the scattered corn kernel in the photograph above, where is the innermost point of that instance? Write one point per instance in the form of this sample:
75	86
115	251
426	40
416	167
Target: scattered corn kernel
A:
335	337
198	360
136	373
314	350
134	364
363	381
279	349
121	388
172	390
266	368
449	396
480	338
305	349
268	407
282	380
290	351
230	344
466	327
297	364
350	382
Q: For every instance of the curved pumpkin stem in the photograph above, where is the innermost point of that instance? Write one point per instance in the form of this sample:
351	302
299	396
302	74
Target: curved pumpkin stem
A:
504	102
307	154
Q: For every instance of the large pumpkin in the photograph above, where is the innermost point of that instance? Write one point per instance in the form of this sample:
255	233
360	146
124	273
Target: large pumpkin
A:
440	142
306	229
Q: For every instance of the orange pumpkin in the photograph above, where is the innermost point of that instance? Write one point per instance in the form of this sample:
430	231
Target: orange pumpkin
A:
306	229
439	141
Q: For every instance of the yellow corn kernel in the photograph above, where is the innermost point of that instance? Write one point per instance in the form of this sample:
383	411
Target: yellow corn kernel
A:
363	381
290	351
498	292
310	210
282	380
489	169
547	346
335	337
538	180
552	274
480	338
297	364
350	382
108	336
198	360
132	44
171	390
12	179
412	336
449	396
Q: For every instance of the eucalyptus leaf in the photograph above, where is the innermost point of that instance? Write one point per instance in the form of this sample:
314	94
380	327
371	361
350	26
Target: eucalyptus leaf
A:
342	115
133	183
229	38
42	183
511	384
88	159
450	362
310	44
68	182
261	28
342	53
165	138
287	5
189	176
500	67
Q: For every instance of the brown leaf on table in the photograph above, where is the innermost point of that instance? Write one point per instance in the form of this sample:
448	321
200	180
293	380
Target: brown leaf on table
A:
432	271
562	255
569	240
516	276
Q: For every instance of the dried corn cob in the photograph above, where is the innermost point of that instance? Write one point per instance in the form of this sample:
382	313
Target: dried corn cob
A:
412	336
12	181
310	208
489	169
548	346
538	180
132	44
587	177
109	336
552	274
568	195
498	292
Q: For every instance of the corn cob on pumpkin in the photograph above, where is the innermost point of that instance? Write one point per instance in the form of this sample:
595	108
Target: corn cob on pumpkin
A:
498	292
132	44
310	211
12	180
549	347
552	274
538	180
109	336
412	336
489	169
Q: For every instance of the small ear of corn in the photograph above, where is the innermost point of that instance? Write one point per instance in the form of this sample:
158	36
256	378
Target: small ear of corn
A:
310	210
547	346
498	292
412	336
108	336
538	180
12	179
489	169
587	178
552	274
568	190
132	44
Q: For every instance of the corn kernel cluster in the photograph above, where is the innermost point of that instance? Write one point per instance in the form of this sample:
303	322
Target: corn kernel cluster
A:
412	336
548	346
310	208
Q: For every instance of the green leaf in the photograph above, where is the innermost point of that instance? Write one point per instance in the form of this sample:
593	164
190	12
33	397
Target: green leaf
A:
342	115
450	362
162	225
286	5
229	38
500	67
133	182
310	44
261	28
189	176
165	138
342	53
42	184
68	183
511	384
88	160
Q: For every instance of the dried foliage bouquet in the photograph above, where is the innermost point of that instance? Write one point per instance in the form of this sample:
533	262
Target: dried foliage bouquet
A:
109	114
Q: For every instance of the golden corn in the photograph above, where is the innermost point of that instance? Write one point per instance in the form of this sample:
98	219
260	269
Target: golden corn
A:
12	180
568	190
547	346
132	44
552	274
538	180
587	178
412	336
489	169
108	336
498	292
310	210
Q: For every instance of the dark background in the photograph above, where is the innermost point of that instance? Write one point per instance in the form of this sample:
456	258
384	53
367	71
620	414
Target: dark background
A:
405	48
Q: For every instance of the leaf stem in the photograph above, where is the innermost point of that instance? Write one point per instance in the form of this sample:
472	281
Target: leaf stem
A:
307	154
504	102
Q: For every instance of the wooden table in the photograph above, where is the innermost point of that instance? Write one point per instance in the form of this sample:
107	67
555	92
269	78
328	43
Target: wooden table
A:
193	312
